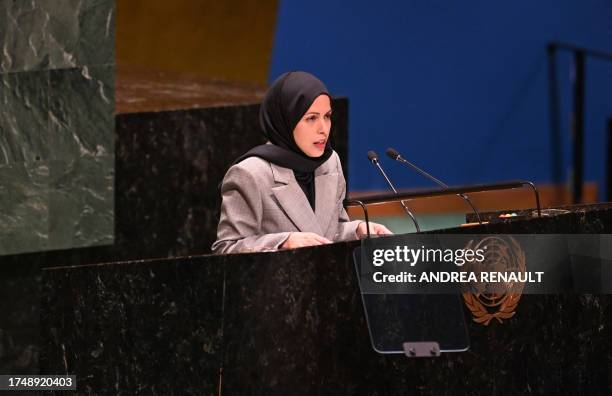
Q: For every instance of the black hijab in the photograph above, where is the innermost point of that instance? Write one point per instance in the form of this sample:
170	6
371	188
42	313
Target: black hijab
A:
287	100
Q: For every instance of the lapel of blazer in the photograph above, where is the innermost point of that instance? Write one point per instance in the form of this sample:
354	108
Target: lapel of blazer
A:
293	201
326	186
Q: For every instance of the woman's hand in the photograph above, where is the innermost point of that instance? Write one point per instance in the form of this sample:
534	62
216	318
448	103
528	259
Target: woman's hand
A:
302	239
375	229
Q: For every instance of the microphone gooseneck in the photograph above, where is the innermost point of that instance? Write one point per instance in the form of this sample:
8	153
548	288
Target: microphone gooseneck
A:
395	155
373	158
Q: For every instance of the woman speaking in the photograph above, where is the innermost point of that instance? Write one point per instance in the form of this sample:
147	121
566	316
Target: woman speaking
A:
288	193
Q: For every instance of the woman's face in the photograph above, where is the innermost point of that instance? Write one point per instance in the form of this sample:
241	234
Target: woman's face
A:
312	131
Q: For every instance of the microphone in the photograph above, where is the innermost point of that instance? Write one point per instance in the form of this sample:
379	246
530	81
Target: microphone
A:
395	155
373	157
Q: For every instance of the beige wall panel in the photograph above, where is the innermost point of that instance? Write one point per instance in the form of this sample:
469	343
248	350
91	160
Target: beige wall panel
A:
230	40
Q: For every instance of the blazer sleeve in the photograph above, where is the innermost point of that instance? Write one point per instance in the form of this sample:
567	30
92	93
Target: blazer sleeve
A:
239	227
346	228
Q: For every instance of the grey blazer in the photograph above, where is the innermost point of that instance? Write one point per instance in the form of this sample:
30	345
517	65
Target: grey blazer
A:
263	203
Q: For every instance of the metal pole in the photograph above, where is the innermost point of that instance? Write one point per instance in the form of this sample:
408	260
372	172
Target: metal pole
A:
609	163
578	126
554	120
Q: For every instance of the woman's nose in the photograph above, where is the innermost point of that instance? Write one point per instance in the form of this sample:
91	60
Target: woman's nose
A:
322	127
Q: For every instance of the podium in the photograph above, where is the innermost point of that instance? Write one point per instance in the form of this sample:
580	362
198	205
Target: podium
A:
292	322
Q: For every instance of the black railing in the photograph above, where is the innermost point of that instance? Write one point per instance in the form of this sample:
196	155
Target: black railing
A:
577	119
391	197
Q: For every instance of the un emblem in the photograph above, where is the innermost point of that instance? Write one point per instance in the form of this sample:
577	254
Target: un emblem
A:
488	301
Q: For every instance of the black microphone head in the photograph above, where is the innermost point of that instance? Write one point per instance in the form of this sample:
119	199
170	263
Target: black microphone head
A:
391	152
372	156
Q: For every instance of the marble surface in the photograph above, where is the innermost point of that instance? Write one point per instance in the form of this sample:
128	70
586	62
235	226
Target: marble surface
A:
78	130
24	117
292	323
141	91
299	325
56	124
24	198
56	34
81	202
20	323
169	165
154	328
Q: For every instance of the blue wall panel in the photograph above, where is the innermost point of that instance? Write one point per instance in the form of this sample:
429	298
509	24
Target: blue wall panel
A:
460	88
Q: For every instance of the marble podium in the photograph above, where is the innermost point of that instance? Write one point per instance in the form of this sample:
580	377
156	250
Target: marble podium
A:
291	322
175	137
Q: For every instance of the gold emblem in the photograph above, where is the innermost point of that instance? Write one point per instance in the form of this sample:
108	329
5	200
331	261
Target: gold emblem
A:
488	301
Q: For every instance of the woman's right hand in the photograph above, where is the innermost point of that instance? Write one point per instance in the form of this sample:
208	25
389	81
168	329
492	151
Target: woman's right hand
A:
302	239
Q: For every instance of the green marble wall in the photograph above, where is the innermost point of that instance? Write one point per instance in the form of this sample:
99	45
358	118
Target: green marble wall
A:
56	124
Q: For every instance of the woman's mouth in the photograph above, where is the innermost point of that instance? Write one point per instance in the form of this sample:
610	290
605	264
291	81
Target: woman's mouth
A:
320	144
